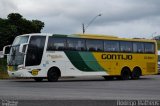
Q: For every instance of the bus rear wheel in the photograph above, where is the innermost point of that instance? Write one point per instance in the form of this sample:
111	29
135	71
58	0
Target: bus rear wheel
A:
53	75
38	79
108	77
125	74
136	73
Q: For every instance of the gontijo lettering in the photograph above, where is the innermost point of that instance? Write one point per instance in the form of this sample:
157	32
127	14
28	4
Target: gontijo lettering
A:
116	57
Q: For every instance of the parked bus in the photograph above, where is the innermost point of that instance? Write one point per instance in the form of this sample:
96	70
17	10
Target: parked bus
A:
53	56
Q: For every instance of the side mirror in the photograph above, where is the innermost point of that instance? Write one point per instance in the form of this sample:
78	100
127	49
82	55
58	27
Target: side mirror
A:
22	48
6	49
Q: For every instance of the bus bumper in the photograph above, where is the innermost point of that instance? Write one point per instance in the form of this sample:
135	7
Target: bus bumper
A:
21	73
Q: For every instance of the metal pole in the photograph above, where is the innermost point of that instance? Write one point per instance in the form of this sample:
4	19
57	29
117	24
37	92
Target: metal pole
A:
84	28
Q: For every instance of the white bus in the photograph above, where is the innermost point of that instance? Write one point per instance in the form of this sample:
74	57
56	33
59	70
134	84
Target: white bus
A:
52	56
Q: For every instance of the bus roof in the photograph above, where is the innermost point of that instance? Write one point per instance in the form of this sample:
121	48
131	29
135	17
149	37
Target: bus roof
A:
91	36
103	37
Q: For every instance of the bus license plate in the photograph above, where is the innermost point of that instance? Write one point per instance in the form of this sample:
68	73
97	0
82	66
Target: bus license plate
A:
34	72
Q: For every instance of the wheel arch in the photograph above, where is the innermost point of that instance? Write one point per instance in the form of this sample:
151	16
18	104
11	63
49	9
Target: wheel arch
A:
137	68
125	68
125	73
56	69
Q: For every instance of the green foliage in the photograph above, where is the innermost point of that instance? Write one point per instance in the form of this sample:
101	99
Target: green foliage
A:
16	25
158	44
3	64
3	68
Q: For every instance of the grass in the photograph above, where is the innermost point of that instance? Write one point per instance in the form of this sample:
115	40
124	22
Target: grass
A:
3	68
158	44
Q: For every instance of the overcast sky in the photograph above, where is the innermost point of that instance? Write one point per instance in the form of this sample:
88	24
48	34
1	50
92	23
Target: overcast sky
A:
123	18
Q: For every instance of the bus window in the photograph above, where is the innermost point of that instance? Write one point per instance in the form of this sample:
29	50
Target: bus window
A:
56	44
149	48
125	46
35	50
75	44
138	47
94	45
111	46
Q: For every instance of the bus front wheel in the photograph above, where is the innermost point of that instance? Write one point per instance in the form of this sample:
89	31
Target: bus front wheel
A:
53	75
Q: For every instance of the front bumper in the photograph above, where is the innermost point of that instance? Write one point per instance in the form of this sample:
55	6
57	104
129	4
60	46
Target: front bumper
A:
21	73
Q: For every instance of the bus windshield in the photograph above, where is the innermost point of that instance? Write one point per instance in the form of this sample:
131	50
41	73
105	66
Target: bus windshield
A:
15	57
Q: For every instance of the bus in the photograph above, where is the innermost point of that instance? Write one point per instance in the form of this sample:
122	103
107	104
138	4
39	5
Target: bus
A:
52	56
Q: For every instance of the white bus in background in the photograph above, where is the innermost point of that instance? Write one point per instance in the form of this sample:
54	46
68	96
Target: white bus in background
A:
1	54
159	61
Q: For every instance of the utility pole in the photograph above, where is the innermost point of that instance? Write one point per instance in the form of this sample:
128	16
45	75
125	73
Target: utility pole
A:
83	26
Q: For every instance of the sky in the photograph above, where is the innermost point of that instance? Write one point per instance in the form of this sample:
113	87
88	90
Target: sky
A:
122	18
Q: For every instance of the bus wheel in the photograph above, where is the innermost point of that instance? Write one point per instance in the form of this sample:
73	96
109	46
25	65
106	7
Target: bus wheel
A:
125	74
108	77
53	75
38	79
136	73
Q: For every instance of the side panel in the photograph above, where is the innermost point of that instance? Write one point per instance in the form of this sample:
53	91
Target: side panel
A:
94	63
91	63
114	62
74	63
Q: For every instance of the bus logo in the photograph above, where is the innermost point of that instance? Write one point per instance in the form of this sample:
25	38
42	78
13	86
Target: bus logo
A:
116	57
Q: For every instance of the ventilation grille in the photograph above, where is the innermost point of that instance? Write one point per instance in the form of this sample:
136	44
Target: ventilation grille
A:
151	67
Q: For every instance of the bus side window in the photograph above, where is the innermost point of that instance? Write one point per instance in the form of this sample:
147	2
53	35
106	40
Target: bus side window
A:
35	50
111	46
74	44
56	44
138	47
149	48
125	46
94	45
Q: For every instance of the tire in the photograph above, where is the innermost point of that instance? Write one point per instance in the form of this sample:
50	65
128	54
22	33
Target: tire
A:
125	74
118	78
136	74
38	79
53	75
108	77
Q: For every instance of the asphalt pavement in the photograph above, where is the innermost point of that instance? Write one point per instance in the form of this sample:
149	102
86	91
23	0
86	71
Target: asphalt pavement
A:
81	88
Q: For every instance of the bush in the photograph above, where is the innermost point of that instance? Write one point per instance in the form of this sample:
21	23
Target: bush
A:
3	68
158	44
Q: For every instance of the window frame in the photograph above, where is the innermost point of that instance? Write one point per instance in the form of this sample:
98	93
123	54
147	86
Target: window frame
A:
153	52
84	47
53	44
103	45
120	44
97	40
137	50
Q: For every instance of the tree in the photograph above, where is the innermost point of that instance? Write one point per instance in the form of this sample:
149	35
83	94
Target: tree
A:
14	16
16	25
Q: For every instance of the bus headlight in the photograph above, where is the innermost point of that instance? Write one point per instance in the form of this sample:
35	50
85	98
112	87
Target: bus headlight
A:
21	67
